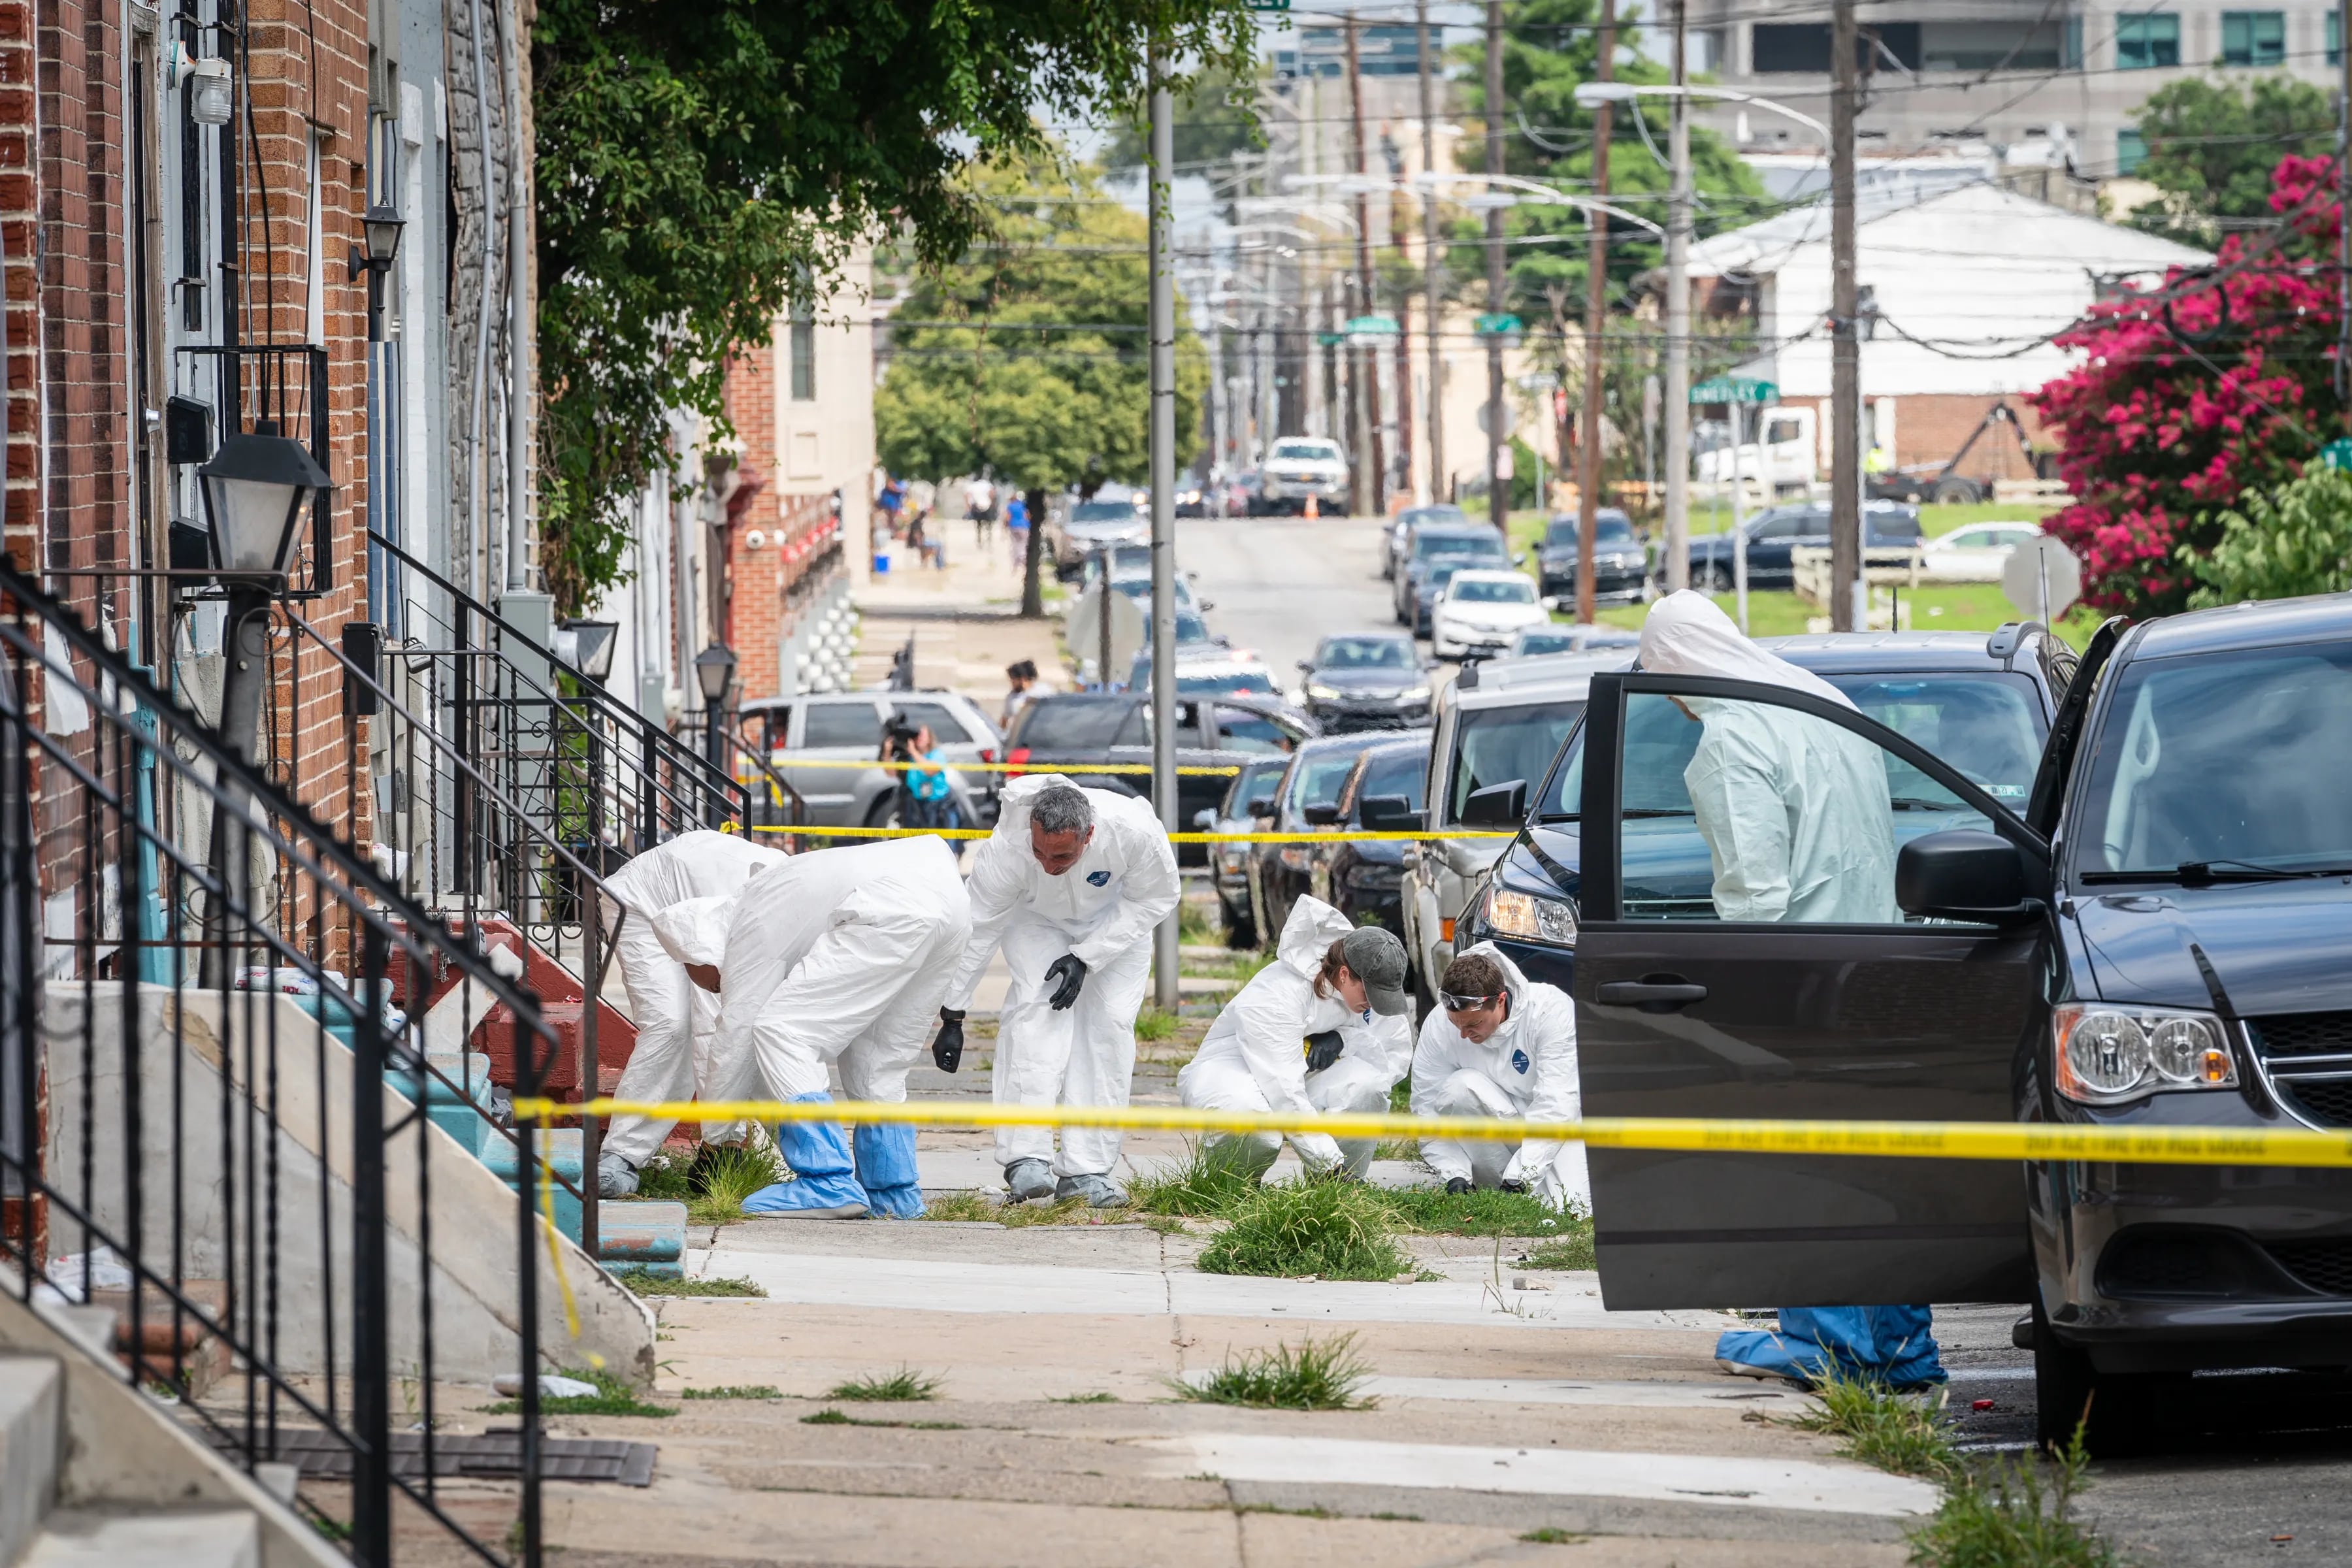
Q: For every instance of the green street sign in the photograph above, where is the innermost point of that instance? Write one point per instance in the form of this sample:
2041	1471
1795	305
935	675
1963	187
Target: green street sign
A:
1734	389
1372	326
1497	326
2338	454
1269	4
1330	340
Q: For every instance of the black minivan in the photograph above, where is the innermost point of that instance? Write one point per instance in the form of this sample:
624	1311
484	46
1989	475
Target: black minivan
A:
2159	933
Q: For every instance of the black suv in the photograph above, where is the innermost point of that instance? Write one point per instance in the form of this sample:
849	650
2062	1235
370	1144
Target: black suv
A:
1774	535
2156	934
1621	566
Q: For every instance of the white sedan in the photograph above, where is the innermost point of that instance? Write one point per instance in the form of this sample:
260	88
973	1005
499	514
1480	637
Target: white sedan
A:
1483	613
1974	554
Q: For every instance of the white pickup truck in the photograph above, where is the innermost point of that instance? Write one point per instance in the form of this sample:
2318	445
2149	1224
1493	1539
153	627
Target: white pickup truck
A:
1780	464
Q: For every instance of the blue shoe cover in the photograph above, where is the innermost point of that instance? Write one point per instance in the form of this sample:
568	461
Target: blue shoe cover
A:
1888	1344
818	1154
885	1165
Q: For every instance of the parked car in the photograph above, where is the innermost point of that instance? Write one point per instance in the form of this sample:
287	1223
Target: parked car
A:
2152	936
1207	669
1396	541
798	732
1976	552
1212	733
1241	495
1305	799
1091	524
1556	637
1366	681
1498	722
1621	566
1301	466
1364	879
1773	534
1480	612
1476	545
1194	499
1229	864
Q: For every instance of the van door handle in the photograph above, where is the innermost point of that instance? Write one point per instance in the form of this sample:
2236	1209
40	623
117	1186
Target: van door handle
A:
1666	994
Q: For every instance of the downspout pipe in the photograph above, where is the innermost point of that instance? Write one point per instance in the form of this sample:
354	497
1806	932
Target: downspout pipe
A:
479	547
518	325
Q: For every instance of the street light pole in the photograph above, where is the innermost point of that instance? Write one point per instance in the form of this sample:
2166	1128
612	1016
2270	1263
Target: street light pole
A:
1845	344
1678	229
1432	261
1596	300
1163	498
1364	359
1498	489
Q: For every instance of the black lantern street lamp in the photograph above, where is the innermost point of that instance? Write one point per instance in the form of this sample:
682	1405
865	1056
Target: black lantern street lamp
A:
714	670
380	227
588	645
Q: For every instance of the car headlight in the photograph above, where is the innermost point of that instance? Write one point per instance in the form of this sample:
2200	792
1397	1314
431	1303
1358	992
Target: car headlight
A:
1322	693
1524	915
2109	1053
1415	693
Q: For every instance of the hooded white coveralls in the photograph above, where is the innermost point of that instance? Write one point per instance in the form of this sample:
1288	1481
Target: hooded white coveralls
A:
1525	1068
676	1019
1102	909
1253	1057
1794	810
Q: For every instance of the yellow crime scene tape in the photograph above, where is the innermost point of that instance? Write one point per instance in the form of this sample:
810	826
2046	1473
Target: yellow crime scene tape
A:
1897	1140
1227	771
1351	835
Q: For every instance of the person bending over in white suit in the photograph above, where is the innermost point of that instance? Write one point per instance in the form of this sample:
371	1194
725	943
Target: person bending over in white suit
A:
1321	1029
1501	1044
1070	883
836	958
674	1018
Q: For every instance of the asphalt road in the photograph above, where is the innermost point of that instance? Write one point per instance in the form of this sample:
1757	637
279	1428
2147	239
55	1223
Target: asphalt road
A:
1282	583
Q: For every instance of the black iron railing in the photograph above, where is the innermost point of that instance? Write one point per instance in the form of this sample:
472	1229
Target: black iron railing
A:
194	1122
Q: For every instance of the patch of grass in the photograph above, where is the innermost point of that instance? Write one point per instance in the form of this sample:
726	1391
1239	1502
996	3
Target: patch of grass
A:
1315	1376
1428	1276
1573	1250
1333	1230
1085	1399
837	1418
1401	1517
1204	1185
973	1204
645	1283
613	1397
1166	1225
1482	1211
1397	1149
903	1383
1936	519
1152	1024
734	1391
1903	1433
2003	1513
726	1177
969	1204
664	1177
1551	1535
1197	922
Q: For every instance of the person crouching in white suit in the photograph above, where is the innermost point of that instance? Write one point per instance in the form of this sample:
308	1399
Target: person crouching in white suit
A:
1071	883
674	1019
1321	1029
836	958
1501	1044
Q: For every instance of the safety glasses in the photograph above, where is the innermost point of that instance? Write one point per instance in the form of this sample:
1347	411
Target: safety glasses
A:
1467	1004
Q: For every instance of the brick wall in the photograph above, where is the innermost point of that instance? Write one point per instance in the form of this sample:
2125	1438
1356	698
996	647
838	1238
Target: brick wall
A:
777	539
19	282
1930	426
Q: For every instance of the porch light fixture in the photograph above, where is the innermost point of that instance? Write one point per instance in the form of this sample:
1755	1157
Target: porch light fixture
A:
714	669
588	647
212	101
256	488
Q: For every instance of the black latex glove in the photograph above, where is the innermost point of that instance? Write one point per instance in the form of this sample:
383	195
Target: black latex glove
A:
1067	975
1512	1184
1323	1049
947	1046
1456	1185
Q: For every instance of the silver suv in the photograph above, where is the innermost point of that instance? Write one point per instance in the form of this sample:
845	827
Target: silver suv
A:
842	727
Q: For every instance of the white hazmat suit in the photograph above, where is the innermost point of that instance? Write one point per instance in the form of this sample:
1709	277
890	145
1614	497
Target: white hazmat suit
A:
1525	1068
675	1019
1103	910
1794	810
837	958
1252	1058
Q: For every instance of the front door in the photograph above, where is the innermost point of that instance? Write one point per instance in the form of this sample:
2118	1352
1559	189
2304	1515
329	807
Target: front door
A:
1740	956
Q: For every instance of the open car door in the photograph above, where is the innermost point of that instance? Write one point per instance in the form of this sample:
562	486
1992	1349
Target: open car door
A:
1787	1014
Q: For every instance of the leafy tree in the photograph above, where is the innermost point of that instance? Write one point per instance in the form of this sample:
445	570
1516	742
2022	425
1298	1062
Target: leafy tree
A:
1216	117
2294	540
2213	143
2194	393
1029	357
700	167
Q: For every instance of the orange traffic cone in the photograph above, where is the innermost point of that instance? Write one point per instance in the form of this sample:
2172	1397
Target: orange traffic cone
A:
1312	511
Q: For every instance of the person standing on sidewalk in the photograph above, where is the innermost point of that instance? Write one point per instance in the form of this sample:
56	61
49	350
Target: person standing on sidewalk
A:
1016	529
980	505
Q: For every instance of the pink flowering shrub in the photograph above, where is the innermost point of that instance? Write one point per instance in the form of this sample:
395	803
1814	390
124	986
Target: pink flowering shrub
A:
2158	434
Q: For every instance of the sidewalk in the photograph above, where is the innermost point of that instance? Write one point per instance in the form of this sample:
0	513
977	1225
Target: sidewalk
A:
966	620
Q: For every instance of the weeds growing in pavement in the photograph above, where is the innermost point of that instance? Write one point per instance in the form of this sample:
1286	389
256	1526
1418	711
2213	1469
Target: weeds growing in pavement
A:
733	1391
1085	1399
1204	1185
1152	1024
1315	1376
2005	1513
724	1177
904	1384
613	1397
970	1204
1334	1229
1903	1433
1482	1211
663	1177
1552	1535
1573	1250
644	1282
973	1204
1197	923
837	1419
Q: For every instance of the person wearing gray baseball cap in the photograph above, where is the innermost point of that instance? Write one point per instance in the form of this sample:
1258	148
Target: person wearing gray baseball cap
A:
1325	1028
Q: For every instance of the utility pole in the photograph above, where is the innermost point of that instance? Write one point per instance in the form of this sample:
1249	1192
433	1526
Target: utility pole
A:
1846	343
1162	434
1498	489
1678	229
1364	358
1596	305
1431	260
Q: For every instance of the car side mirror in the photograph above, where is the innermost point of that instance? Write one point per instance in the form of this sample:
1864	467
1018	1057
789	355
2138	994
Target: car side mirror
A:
1208	604
1307	666
1261	806
1388	814
1322	814
1206	819
1963	874
1497	806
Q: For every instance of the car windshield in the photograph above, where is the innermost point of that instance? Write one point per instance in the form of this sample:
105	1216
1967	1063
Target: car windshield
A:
1316	778
1496	745
1989	725
1306	451
1533	643
1607	531
1426	544
1454	514
1243	730
1070	723
1366	653
1255	778
1488	591
1223	683
1103	511
1397	769
2237	760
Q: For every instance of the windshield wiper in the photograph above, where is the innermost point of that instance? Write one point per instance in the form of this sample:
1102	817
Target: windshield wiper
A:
2205	873
1655	811
1917	802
